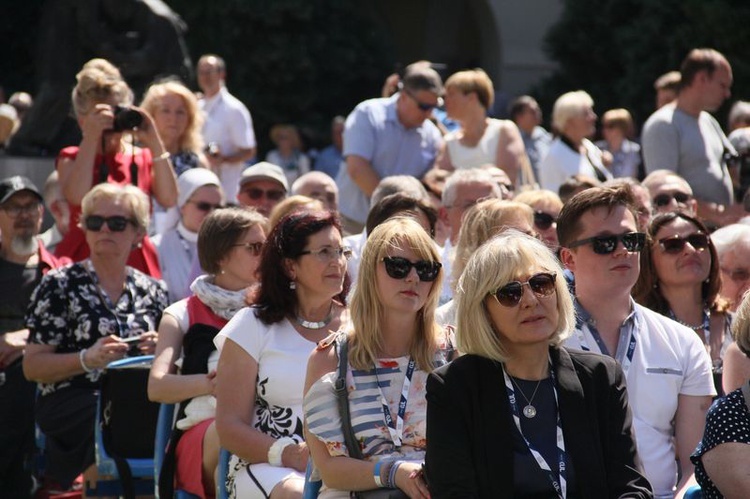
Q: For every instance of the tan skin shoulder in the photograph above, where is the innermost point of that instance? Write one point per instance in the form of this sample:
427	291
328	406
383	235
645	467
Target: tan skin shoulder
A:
322	361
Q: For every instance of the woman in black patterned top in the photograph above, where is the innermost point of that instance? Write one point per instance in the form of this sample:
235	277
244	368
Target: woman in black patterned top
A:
77	319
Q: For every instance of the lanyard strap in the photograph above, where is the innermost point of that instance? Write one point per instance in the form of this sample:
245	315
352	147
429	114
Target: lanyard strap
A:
559	481
626	359
397	430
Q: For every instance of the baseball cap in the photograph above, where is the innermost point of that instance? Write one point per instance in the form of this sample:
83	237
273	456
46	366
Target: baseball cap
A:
265	171
17	183
192	180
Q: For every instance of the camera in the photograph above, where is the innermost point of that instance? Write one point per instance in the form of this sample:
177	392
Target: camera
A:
126	118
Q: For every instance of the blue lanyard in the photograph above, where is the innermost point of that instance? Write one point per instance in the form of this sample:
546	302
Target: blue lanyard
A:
397	430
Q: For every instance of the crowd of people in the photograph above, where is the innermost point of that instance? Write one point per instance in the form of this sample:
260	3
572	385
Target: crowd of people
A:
440	304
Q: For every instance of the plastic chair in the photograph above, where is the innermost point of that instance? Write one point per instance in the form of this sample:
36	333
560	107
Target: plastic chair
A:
694	492
141	469
163	432
224	456
312	487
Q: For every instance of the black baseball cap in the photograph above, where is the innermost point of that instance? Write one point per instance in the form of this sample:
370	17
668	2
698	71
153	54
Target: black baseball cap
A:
17	183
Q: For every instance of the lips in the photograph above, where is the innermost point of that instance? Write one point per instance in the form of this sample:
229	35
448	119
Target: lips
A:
409	293
533	318
621	267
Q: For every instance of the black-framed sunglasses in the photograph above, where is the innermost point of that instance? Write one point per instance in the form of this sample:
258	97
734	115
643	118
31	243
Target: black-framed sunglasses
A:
115	223
543	220
541	284
604	245
398	268
423	106
256	193
675	244
254	248
206	206
664	199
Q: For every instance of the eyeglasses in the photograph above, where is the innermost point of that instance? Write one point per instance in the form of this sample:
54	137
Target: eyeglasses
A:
604	245
737	275
254	248
327	254
423	106
115	223
398	268
541	284
675	244
256	193
543	220
205	206
13	210
663	200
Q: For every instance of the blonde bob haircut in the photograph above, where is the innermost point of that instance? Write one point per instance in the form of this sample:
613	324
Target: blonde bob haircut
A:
741	325
481	223
192	138
473	81
132	197
501	260
367	311
568	106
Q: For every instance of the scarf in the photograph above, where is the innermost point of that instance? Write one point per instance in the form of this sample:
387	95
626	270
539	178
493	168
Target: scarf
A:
222	302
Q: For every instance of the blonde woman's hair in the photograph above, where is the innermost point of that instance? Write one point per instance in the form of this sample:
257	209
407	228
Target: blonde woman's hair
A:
741	325
473	81
291	204
532	198
496	263
132	197
481	223
192	138
99	81
569	105
367	312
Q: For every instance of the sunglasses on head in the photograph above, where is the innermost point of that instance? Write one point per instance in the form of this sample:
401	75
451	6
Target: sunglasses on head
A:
398	268
115	223
543	220
675	244
205	206
541	284
664	199
604	245
255	193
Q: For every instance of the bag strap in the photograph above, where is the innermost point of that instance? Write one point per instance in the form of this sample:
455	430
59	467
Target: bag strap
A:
746	394
342	399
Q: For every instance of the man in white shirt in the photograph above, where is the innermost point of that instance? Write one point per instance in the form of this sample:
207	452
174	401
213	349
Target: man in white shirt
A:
228	129
667	370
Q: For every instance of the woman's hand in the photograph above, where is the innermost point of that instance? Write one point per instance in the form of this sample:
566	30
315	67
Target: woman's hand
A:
147	133
211	380
97	121
410	480
147	343
105	350
295	456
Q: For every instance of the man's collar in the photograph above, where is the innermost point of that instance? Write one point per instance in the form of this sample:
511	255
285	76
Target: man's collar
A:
583	315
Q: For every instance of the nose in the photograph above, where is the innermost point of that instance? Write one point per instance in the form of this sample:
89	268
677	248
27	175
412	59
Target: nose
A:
412	275
528	297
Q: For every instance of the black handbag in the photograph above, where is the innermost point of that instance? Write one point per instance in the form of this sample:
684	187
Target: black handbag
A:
342	399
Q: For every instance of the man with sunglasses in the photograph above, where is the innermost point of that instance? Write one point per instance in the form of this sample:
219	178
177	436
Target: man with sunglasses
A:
388	136
667	370
23	262
670	192
263	186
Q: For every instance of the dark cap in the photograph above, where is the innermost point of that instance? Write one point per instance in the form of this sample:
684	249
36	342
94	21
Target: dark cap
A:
17	183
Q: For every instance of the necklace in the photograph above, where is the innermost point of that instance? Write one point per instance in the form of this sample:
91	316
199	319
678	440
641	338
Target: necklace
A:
705	325
529	410
315	325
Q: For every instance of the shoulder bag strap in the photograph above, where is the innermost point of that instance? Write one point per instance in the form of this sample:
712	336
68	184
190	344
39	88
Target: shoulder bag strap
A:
342	399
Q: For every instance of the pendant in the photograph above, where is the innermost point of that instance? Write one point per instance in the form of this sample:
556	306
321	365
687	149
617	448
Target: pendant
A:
529	411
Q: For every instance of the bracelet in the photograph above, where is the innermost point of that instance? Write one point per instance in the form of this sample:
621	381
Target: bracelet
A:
162	157
81	354
277	448
376	474
392	474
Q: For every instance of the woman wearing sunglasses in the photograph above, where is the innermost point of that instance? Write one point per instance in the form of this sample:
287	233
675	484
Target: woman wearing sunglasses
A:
264	351
546	206
78	318
184	369
393	343
680	278
518	415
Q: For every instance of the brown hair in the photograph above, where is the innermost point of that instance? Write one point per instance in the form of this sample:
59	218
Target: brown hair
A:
473	81
219	233
698	60
569	221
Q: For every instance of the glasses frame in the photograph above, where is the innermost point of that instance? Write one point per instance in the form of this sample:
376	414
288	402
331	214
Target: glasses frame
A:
115	223
255	248
205	206
633	242
548	220
328	253
699	241
663	199
512	300
256	193
14	211
427	270
421	105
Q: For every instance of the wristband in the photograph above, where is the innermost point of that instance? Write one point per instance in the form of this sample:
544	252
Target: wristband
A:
277	448
392	474
81	354
162	157
376	474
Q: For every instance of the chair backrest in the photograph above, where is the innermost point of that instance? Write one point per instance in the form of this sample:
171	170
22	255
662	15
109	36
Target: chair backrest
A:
312	487
693	492
224	456
163	431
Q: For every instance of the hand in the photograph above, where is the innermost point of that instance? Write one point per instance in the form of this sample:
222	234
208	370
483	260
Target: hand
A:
390	86
211	379
148	134
12	345
147	344
295	456
97	121
410	480
105	350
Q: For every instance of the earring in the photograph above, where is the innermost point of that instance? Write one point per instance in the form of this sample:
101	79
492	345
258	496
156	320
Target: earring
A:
292	285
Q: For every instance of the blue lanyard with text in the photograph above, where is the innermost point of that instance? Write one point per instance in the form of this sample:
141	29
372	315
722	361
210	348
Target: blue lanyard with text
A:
397	430
627	359
559	481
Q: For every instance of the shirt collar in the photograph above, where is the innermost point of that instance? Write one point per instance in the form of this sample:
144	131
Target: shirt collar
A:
583	315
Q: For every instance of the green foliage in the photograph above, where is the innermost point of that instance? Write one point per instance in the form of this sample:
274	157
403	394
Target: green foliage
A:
292	61
615	49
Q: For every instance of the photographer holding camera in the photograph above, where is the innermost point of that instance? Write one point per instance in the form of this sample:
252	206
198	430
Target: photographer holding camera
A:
102	103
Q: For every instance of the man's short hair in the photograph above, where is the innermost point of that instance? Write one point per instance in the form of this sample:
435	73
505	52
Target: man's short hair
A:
221	65
668	81
420	76
520	104
700	60
575	184
467	176
739	115
658	177
569	220
405	184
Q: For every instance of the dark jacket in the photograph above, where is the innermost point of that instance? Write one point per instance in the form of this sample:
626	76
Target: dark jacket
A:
470	428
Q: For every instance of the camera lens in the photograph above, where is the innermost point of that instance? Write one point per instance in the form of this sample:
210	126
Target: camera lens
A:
126	118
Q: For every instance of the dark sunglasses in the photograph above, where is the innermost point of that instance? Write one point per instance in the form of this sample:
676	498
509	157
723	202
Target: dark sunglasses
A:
255	193
543	220
663	200
675	244
115	223
398	268
604	245
254	248
541	284
205	206
422	105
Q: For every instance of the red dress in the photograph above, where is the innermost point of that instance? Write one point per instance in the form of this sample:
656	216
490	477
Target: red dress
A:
73	244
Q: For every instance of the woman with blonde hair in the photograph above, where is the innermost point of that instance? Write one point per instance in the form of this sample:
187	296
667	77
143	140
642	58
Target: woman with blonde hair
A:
546	205
290	205
393	342
518	415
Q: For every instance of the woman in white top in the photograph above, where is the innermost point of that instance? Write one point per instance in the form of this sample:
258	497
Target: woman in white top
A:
480	140
264	351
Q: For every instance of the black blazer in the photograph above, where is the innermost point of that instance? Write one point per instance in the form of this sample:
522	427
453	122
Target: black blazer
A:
470	428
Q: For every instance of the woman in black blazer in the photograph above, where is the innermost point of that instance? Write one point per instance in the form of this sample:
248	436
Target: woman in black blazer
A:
502	418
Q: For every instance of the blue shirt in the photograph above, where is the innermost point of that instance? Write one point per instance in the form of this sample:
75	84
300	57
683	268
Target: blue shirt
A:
328	161
536	144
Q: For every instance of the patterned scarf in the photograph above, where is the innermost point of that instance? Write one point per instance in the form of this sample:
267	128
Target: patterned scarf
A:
222	302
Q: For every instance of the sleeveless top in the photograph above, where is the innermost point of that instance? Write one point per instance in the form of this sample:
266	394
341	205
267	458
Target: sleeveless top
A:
484	152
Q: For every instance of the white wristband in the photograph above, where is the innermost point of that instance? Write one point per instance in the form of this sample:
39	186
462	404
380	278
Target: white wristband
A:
275	451
81	355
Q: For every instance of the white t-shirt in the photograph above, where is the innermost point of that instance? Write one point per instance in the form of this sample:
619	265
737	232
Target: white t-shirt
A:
562	162
484	152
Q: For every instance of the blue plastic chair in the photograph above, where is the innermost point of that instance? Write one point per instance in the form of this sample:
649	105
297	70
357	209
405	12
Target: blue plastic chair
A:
694	492
163	432
312	487
224	456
